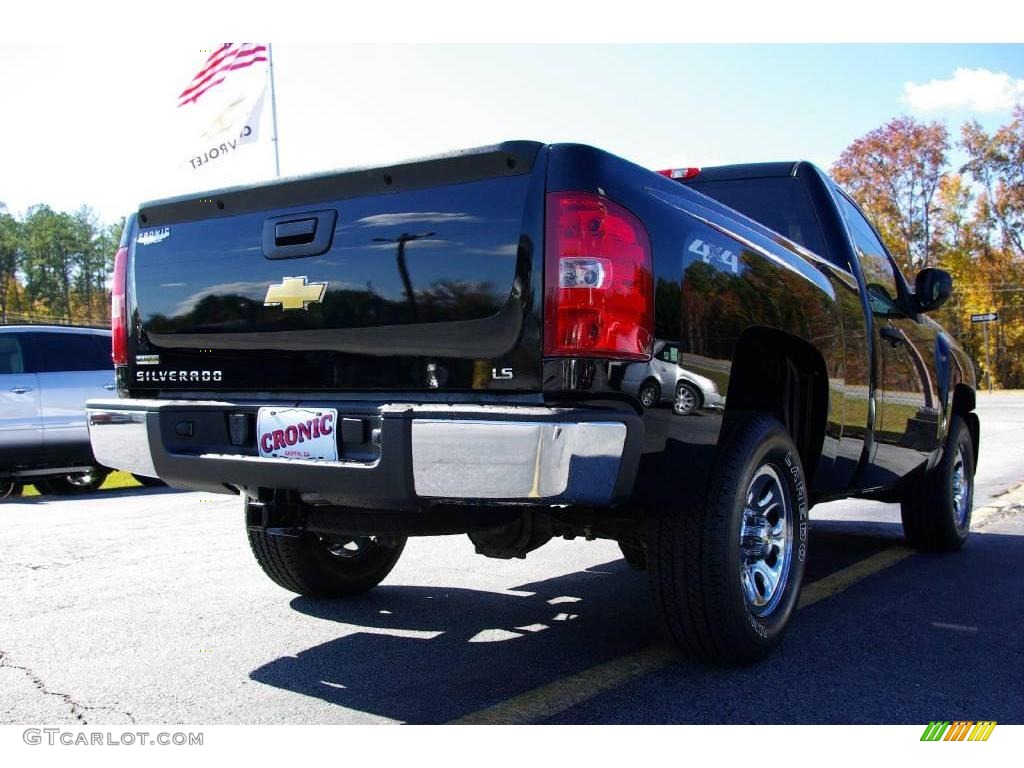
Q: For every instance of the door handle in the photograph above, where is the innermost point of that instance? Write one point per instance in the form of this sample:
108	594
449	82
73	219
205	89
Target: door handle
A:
110	387
20	390
894	337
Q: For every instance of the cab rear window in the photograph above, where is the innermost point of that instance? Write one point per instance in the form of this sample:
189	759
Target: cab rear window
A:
779	203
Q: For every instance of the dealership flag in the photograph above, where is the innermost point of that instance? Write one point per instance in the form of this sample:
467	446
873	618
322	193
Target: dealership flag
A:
222	106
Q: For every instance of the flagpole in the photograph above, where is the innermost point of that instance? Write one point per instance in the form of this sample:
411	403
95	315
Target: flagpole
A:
273	109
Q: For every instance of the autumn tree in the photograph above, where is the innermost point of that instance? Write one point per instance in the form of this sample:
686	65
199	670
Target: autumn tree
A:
56	265
894	173
970	223
10	257
997	164
49	241
93	261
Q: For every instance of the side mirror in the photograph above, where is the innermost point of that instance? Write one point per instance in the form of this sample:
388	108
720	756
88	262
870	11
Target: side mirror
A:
931	288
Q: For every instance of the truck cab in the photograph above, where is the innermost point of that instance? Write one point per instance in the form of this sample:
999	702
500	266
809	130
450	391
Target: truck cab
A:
900	367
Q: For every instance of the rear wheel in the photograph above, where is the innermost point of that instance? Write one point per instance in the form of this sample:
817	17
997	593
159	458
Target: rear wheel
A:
73	483
726	574
634	554
10	489
650	394
936	508
314	566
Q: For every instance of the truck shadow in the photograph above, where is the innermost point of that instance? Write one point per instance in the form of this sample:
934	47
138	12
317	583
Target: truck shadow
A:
431	654
428	654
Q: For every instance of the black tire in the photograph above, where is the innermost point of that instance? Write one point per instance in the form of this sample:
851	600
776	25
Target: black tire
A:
10	489
936	507
305	563
687	400
72	484
696	562
149	482
649	394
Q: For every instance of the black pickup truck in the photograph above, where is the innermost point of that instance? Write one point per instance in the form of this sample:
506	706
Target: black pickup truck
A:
443	346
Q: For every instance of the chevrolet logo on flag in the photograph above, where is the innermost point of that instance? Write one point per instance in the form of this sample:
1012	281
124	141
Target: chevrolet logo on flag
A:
294	293
961	730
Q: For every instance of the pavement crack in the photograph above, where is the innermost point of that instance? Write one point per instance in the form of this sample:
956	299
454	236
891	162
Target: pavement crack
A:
78	709
60	563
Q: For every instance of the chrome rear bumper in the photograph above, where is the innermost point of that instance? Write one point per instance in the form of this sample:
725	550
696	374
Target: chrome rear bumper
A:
427	453
516	460
120	441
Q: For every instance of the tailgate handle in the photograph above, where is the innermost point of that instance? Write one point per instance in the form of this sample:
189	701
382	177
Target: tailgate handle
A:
295	232
298	235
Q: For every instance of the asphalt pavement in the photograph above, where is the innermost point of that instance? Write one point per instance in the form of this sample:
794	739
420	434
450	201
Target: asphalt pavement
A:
146	606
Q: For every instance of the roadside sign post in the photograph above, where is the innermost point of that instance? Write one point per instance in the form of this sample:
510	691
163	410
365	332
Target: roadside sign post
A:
988	366
985	319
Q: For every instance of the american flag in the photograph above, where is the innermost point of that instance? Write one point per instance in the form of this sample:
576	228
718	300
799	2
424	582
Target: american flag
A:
221	63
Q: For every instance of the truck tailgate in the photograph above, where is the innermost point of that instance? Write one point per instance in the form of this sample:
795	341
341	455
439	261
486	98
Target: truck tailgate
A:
415	276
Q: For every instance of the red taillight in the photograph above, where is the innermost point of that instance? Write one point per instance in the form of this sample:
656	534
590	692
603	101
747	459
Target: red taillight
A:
680	174
119	310
598	296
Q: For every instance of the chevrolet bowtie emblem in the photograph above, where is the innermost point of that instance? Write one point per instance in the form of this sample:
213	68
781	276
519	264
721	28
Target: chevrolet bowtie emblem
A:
294	293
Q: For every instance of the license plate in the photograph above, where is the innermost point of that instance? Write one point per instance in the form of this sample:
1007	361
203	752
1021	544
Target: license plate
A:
297	433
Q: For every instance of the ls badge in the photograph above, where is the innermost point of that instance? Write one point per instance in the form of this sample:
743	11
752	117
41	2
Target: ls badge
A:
294	293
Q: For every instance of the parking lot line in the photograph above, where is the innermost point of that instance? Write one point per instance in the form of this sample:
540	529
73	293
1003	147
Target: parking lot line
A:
840	580
559	695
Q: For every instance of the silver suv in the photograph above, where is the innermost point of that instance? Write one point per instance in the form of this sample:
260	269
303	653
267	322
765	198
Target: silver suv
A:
46	375
662	380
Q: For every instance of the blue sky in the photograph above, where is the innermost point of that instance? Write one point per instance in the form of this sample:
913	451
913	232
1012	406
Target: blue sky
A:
714	103
99	132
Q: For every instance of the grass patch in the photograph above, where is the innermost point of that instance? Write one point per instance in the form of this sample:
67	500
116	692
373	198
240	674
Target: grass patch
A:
119	479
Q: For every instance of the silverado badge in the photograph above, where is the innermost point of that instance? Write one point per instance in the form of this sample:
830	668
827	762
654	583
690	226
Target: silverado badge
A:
294	293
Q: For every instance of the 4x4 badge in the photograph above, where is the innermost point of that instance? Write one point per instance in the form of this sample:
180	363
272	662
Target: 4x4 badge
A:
294	293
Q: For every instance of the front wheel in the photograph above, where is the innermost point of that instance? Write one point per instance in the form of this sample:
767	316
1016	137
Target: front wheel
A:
687	400
315	566
726	574
73	483
936	508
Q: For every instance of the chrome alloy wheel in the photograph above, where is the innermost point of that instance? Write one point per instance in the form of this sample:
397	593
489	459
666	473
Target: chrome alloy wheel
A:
766	541
961	489
649	396
685	400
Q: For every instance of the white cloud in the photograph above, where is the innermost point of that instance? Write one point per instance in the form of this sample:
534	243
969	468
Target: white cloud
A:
424	217
979	90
